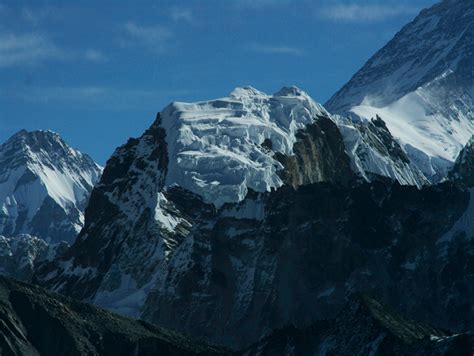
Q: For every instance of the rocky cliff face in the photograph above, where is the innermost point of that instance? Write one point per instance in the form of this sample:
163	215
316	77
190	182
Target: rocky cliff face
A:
128	221
319	155
289	256
247	274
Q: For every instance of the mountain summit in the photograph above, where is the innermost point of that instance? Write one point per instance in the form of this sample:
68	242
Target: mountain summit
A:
422	85
221	148
44	186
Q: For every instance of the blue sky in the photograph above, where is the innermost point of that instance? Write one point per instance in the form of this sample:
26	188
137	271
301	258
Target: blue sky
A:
97	72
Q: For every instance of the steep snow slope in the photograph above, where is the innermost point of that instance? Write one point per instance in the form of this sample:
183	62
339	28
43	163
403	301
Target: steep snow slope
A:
44	186
374	151
421	84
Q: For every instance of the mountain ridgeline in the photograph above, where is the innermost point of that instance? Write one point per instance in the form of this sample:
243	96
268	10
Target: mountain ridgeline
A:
262	222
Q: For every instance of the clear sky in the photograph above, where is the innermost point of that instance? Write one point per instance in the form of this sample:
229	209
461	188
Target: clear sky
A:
97	72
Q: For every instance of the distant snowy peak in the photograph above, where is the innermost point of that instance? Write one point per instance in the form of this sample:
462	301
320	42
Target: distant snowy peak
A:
40	149
439	39
422	85
221	148
432	123
44	186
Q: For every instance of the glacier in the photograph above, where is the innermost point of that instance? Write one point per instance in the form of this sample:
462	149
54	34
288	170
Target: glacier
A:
219	149
216	148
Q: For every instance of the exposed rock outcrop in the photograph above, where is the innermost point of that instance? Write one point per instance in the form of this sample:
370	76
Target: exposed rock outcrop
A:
318	156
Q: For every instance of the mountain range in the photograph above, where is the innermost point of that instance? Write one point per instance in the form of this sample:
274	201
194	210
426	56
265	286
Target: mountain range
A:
231	218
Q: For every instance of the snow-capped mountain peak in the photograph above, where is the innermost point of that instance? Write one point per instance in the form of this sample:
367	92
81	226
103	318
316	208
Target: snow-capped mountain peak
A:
421	84
216	148
439	39
44	185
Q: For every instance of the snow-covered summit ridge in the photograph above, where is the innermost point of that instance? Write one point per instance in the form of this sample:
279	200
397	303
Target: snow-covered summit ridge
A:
216	148
38	170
